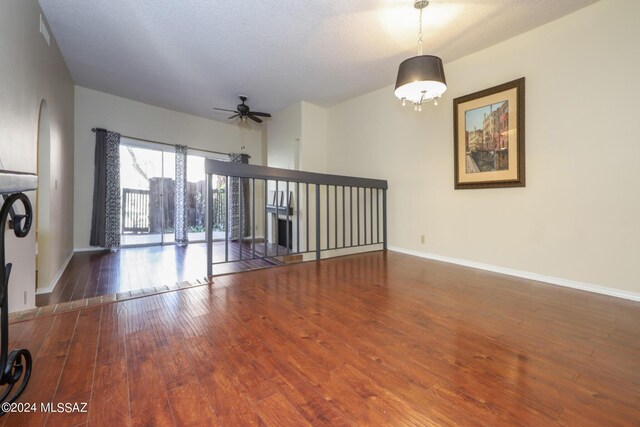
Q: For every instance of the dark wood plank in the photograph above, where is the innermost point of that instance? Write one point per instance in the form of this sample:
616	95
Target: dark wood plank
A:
91	274
76	380
47	369
148	398
110	397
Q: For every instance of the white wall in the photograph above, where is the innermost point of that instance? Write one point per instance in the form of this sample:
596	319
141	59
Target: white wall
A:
297	139
31	71
138	120
284	130
578	216
313	144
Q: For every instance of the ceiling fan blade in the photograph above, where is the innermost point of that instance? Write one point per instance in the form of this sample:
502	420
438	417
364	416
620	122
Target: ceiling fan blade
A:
224	109
255	113
254	118
233	117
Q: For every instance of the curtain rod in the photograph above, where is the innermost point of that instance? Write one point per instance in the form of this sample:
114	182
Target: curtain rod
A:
164	143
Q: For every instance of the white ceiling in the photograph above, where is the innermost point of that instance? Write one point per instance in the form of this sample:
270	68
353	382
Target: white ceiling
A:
192	55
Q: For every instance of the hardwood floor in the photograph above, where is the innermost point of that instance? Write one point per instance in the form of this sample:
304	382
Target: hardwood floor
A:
91	274
371	339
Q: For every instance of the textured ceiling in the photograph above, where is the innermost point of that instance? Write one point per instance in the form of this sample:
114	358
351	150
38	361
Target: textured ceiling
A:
192	55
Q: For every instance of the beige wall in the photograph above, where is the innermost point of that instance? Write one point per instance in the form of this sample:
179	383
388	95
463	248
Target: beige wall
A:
31	71
577	218
135	119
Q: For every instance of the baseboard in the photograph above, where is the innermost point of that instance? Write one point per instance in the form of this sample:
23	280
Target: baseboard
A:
56	278
89	249
589	287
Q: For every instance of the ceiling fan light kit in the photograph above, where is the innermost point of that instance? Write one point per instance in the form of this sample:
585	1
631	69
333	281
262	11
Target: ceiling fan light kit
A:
420	78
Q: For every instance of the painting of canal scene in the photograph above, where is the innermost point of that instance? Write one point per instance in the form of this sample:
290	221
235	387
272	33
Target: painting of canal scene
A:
489	137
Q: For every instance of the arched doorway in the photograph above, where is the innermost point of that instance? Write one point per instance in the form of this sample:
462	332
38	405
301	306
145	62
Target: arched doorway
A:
43	264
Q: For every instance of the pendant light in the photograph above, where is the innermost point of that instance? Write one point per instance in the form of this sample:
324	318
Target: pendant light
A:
420	78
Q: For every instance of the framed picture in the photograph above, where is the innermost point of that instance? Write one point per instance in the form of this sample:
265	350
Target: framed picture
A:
488	133
285	200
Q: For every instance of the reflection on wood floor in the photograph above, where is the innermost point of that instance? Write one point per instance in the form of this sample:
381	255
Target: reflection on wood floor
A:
372	339
91	274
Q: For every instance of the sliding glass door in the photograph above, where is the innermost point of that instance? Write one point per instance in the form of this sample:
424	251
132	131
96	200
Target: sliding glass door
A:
196	212
141	182
147	181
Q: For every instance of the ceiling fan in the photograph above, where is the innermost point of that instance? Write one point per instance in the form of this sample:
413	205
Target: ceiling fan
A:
243	111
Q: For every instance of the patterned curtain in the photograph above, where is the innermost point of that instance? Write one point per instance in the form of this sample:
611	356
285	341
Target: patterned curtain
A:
239	191
181	196
105	219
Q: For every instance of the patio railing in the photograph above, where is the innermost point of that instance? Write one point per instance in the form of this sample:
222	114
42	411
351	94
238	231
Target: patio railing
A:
135	211
138	216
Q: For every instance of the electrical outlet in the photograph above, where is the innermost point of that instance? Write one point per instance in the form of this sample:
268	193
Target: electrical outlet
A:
56	184
423	239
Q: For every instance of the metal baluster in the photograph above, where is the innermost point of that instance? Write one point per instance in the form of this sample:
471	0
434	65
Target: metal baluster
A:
358	205
298	217
377	215
371	211
328	219
209	222
253	218
277	233
351	215
364	214
266	227
307	213
317	221
344	224
335	215
384	218
286	211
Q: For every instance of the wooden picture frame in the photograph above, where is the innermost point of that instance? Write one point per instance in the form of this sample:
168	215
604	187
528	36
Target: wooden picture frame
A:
488	137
